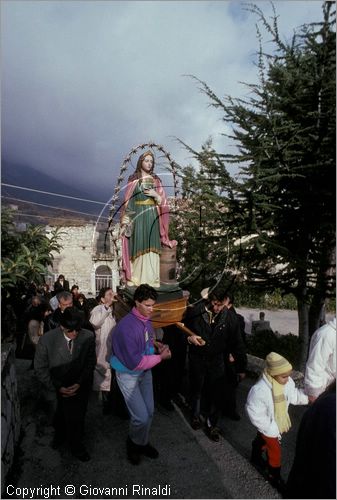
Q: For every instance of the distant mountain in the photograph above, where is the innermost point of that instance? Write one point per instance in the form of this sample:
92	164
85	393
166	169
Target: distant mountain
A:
28	177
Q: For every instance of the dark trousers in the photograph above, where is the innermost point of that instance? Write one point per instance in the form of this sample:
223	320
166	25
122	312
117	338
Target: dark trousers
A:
168	376
197	374
212	399
206	392
229	389
69	418
116	398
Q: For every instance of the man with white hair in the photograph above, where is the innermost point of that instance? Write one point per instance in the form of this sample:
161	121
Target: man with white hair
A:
64	299
320	369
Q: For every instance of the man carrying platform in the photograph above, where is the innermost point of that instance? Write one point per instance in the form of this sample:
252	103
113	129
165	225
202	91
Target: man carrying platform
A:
210	319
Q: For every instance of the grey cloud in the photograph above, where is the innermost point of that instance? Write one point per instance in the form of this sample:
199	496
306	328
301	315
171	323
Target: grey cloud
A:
83	82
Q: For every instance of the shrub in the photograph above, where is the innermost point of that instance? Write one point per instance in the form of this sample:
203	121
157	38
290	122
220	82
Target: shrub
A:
262	343
289	347
331	305
247	296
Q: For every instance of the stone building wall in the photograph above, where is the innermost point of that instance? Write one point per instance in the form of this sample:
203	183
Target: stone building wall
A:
10	410
82	253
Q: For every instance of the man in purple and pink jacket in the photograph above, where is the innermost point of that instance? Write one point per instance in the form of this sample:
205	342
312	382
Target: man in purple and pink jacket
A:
133	356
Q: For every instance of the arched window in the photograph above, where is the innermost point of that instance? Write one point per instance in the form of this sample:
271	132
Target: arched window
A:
103	277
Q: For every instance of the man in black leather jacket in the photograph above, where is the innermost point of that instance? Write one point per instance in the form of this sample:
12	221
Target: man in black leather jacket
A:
220	329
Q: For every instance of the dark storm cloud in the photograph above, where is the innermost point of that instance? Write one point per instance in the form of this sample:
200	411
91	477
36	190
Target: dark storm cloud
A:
83	82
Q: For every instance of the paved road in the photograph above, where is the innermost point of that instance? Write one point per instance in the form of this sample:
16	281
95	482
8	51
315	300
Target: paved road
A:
189	464
282	320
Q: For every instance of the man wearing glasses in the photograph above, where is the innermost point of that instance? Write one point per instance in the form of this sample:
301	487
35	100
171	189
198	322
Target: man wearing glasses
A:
64	363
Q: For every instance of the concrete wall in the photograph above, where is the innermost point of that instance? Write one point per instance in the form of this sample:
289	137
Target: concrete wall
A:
10	409
82	253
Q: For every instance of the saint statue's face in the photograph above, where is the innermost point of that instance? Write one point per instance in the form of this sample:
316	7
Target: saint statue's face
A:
147	164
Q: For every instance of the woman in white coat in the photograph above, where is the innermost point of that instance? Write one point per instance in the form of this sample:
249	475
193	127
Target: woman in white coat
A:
103	320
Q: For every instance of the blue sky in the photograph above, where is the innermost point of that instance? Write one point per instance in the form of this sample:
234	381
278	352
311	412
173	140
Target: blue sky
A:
85	81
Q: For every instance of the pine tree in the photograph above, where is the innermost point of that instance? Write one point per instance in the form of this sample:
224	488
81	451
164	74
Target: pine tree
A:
285	131
205	195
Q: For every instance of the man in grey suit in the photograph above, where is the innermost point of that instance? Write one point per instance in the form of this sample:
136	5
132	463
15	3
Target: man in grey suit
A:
64	362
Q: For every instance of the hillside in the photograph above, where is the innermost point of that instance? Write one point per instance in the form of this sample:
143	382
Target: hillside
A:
36	207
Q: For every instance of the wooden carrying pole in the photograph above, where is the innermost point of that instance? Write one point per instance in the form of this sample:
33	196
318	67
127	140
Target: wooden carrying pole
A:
200	340
165	314
184	328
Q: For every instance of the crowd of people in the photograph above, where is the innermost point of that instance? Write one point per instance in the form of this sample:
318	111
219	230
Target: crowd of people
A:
81	347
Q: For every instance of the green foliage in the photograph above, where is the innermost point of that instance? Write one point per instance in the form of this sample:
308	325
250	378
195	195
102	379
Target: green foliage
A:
276	300
331	305
277	219
247	296
25	255
263	342
208	226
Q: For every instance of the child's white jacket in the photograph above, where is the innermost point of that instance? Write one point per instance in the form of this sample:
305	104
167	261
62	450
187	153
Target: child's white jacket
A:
260	406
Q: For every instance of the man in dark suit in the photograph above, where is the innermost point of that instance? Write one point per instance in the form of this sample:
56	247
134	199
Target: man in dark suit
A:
61	284
236	323
261	325
64	362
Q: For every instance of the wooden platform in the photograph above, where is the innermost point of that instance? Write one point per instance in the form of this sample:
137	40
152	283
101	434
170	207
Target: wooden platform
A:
168	313
165	313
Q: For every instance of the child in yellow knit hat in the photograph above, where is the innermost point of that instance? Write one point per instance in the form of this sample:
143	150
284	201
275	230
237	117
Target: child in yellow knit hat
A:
267	408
